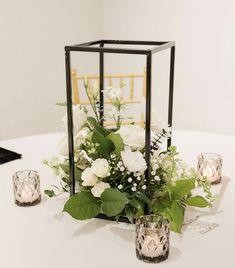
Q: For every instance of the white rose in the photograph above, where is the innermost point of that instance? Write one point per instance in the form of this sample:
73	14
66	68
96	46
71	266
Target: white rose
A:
79	119
88	177
63	147
133	136
99	187
100	167
133	161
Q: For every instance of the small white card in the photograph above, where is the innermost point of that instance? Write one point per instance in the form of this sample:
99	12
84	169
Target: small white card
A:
202	227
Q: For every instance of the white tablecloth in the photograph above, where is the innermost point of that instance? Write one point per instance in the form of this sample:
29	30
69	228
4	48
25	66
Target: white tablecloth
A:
43	237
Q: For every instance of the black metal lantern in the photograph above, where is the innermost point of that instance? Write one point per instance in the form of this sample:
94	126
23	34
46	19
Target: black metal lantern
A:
101	48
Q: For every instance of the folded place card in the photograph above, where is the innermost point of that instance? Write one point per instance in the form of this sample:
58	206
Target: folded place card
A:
6	155
194	222
202	227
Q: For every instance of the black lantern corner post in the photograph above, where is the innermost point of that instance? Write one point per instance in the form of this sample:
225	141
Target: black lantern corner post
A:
171	90
101	104
101	49
70	122
148	117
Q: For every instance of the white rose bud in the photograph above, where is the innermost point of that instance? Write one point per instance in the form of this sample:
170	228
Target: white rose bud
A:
88	177
99	187
85	82
95	90
100	167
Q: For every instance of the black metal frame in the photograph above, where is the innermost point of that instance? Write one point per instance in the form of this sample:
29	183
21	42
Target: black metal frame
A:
101	49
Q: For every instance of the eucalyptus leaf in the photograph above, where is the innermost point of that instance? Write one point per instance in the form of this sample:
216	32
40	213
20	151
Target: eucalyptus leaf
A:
82	206
197	201
113	202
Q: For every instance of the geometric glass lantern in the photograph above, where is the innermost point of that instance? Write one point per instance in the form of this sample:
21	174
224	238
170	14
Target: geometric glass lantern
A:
102	47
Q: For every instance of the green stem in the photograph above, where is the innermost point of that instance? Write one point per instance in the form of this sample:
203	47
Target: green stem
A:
92	104
119	117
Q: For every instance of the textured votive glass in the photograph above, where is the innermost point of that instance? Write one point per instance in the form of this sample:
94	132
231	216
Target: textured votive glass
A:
26	185
210	166
152	238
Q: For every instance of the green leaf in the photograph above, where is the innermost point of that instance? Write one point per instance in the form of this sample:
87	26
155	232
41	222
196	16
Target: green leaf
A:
129	214
113	202
63	104
106	146
160	205
117	141
197	201
49	193
100	129
77	171
65	168
78	174
181	188
177	216
139	206
82	206
139	213
136	204
145	198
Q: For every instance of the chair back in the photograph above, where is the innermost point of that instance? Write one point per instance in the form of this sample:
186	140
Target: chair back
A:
111	80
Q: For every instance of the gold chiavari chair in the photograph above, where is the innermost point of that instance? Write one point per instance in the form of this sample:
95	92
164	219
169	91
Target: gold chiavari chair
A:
109	80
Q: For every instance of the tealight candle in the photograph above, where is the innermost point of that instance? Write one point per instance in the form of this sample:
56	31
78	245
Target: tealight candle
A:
210	166
26	185
152	238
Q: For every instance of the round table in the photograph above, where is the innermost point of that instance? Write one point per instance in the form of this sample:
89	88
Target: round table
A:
43	236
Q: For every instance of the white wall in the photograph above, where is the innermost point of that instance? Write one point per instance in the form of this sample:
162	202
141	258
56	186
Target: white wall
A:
32	38
34	32
205	55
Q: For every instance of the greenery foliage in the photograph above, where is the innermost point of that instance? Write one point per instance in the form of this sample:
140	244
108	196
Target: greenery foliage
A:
118	188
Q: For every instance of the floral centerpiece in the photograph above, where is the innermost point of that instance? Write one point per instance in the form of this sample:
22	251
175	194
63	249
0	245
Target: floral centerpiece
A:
110	168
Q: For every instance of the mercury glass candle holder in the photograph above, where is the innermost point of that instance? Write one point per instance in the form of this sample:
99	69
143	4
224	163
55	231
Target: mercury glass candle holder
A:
210	166
26	185
152	238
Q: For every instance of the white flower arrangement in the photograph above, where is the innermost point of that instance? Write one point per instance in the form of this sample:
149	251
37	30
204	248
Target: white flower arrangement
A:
133	136
110	169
